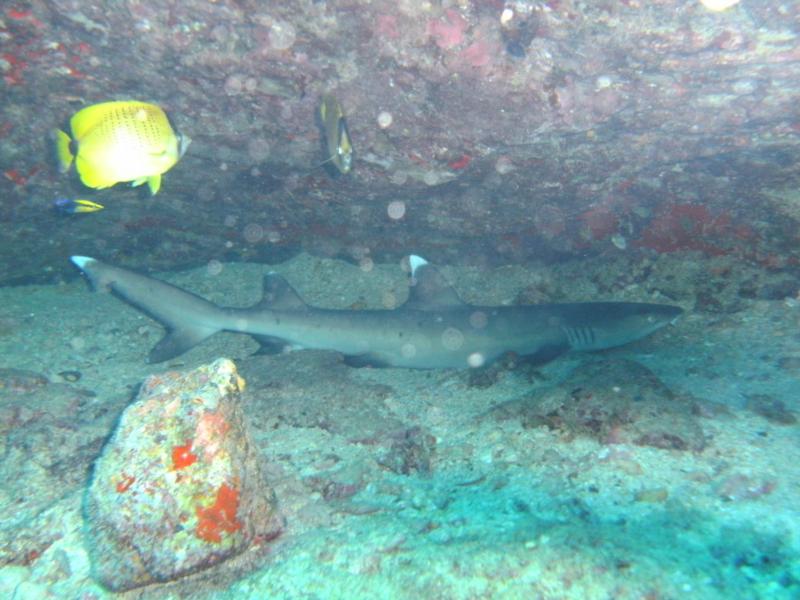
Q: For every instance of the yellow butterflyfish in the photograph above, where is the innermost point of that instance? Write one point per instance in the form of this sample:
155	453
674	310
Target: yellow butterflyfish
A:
112	142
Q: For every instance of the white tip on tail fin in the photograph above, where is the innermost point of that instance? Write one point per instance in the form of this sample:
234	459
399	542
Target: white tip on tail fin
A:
81	261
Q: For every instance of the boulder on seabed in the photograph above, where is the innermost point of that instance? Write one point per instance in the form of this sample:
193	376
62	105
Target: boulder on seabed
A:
178	487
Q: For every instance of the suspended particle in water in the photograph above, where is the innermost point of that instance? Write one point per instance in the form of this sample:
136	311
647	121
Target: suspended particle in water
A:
602	82
385	119
478	319
273	237
233	84
452	338
396	209
718	5
504	166
366	264
431	178
408	350
475	360
214	267
389	300
253	233
258	149
399	178
282	35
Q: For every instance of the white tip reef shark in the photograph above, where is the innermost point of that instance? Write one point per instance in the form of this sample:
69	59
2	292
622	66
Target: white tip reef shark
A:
433	329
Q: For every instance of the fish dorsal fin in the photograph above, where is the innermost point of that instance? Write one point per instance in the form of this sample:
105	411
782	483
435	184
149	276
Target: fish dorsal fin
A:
278	294
429	290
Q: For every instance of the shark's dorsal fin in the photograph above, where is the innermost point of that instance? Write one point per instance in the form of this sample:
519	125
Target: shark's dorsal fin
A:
278	294
429	290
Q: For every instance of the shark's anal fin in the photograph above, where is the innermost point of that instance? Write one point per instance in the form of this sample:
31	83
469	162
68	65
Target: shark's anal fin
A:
429	289
269	345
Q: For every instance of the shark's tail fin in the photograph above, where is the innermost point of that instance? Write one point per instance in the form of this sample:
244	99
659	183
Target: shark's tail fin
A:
188	318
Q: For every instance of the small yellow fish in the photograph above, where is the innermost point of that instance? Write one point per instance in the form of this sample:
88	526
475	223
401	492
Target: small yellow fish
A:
337	139
72	207
113	142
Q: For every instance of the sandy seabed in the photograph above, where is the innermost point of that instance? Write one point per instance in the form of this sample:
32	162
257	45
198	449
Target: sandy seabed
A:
397	483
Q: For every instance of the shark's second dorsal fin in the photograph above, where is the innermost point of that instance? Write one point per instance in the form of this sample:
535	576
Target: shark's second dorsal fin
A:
278	294
429	290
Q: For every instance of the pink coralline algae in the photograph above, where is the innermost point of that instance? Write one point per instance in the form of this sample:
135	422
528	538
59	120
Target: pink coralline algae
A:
477	54
386	26
448	32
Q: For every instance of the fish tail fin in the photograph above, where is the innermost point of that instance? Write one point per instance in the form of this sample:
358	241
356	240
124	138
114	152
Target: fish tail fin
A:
189	319
63	151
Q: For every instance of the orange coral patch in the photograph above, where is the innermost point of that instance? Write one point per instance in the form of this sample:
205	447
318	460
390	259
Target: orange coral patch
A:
125	483
219	517
182	456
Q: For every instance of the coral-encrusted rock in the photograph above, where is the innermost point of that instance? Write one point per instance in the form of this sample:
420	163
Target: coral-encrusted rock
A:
177	488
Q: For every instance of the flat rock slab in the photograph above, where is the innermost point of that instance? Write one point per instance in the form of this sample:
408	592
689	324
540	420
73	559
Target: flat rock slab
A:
614	401
178	487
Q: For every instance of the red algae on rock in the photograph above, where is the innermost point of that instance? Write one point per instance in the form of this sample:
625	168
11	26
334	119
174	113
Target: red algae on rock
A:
219	517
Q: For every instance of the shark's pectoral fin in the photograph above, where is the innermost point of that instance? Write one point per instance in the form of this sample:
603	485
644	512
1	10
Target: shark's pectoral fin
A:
178	341
360	361
546	353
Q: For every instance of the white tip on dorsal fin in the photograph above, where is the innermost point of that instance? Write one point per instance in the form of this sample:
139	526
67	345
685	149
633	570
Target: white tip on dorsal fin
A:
415	262
429	290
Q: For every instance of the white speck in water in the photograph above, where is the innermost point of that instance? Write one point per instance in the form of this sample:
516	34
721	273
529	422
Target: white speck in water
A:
214	267
389	300
258	149
385	119
504	166
602	82
478	319
282	35
408	350
475	360
399	178
452	338
619	241
396	209
431	178
253	233
366	264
